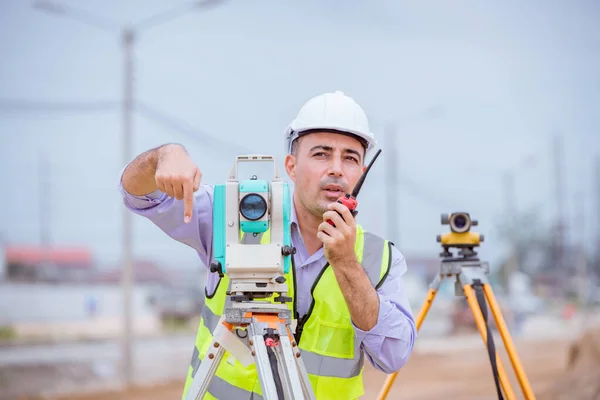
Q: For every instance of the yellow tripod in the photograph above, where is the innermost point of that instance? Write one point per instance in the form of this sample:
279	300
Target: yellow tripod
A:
471	281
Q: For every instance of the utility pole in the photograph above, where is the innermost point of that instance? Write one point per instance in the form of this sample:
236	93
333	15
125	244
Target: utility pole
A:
597	179
127	276
511	214
45	205
560	220
581	262
128	36
509	176
391	184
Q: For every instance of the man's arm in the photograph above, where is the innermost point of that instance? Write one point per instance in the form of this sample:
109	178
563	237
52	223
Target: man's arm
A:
167	168
141	194
382	318
389	343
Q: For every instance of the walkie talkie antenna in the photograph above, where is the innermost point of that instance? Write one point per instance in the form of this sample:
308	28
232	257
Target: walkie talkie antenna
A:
364	175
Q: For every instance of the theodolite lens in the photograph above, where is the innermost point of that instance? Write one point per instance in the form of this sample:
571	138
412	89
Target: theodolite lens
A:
253	207
460	223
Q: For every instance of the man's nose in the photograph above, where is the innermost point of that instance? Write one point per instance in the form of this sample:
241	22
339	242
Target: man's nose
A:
335	168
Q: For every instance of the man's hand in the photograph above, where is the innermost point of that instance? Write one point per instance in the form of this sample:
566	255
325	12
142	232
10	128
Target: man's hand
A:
338	241
178	176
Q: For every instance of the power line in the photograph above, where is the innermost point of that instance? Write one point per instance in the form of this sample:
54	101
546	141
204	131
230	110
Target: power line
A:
422	193
177	11
28	106
185	128
78	14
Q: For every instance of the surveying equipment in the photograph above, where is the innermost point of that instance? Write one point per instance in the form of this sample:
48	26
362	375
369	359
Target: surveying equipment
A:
470	279
460	236
255	271
349	199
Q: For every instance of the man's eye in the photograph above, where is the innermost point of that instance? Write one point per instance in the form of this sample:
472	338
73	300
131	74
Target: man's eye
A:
320	154
351	159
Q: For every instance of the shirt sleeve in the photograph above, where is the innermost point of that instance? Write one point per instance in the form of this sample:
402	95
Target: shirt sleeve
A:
167	213
390	342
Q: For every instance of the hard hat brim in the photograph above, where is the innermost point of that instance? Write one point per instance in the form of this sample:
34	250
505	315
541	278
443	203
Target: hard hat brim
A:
292	134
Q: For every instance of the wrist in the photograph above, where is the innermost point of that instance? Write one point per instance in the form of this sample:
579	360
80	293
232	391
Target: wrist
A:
165	151
347	263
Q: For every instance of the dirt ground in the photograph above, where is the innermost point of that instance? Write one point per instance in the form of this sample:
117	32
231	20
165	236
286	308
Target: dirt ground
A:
427	376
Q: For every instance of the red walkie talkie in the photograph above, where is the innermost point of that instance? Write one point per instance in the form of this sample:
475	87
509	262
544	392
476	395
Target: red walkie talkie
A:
349	200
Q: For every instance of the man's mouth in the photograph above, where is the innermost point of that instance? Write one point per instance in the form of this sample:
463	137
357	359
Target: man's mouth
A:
334	190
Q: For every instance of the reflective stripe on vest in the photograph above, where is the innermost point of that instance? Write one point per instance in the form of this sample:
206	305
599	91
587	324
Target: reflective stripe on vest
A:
332	359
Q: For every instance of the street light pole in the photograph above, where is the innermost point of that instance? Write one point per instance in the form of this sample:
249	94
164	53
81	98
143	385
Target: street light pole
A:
128	37
511	215
393	220
127	43
514	263
391	177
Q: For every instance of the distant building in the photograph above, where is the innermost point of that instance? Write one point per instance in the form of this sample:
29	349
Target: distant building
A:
55	264
144	272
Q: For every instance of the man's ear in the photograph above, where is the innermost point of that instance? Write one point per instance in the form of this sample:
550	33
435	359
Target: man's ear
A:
290	167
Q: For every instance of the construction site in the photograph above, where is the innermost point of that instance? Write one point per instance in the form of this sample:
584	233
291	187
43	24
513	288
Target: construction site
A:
151	151
557	370
558	364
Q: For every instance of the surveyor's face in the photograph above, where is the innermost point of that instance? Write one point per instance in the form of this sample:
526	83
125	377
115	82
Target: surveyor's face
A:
326	166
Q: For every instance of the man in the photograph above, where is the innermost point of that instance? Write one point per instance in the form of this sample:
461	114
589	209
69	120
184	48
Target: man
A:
348	293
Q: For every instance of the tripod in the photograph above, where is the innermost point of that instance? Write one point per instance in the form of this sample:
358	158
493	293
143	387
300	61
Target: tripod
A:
278	360
470	278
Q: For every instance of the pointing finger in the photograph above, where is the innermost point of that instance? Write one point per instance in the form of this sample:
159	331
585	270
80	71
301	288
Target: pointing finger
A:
188	200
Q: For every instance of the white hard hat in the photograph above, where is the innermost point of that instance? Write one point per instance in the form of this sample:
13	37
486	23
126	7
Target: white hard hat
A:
331	111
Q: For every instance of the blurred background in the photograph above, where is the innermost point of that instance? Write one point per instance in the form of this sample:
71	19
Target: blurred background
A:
479	107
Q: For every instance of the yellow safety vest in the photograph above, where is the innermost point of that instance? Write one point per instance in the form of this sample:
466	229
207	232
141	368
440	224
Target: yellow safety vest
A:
333	359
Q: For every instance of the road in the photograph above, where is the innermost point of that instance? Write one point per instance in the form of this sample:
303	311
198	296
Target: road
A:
62	368
455	373
452	366
143	349
447	366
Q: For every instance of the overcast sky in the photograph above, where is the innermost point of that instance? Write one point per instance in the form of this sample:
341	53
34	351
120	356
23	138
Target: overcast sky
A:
506	76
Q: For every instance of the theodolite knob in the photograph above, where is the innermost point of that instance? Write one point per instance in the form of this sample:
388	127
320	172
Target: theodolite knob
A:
288	250
215	266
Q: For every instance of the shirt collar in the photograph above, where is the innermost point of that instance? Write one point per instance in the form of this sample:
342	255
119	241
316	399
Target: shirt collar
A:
293	216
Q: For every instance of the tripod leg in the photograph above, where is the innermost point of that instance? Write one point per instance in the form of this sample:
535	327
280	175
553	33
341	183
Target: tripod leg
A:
306	385
474	306
263	366
510	347
294	374
208	368
425	307
420	318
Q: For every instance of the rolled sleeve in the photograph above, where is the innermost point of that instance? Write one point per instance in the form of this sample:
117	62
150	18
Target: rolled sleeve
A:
167	214
389	344
135	203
